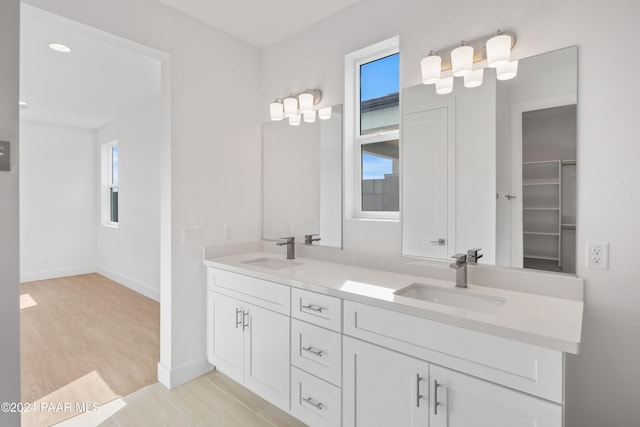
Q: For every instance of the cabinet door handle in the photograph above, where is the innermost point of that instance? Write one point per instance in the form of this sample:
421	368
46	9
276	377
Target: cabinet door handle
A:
313	351
313	307
440	242
245	320
435	397
310	401
238	321
418	395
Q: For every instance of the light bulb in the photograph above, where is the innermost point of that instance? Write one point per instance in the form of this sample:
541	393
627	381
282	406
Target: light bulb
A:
306	102
295	120
431	66
309	116
444	86
462	60
474	78
290	107
507	71
277	113
498	50
324	113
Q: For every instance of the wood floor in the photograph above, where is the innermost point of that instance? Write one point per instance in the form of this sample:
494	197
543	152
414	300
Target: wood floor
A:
210	400
84	339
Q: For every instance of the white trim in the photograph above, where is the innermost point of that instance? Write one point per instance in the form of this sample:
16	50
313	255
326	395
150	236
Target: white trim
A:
57	273
172	378
134	285
352	138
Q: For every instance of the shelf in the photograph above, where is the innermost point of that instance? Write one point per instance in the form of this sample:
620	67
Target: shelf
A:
540	233
548	258
541	182
541	162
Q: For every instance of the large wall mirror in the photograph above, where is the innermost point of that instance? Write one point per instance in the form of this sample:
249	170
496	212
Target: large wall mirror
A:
494	167
302	180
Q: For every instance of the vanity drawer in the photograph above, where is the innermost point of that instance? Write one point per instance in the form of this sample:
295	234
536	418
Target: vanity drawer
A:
319	309
317	351
314	401
269	295
522	366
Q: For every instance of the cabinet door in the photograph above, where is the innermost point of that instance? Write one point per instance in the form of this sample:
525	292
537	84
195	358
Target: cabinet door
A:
383	388
462	401
226	343
266	357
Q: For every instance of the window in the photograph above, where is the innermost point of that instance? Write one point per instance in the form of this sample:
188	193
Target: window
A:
373	95
110	184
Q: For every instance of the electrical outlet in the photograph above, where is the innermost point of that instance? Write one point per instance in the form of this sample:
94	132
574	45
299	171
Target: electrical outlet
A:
597	255
227	231
192	233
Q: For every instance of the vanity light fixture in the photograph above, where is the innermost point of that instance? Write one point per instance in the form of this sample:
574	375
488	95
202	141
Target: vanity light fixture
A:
297	106
469	61
59	47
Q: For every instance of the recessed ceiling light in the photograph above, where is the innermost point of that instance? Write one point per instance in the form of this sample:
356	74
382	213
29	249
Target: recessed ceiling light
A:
23	104
60	47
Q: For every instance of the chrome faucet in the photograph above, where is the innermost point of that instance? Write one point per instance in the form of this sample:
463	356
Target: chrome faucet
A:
473	255
460	265
309	238
291	246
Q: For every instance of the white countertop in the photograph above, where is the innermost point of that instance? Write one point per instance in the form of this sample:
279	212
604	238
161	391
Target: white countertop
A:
546	321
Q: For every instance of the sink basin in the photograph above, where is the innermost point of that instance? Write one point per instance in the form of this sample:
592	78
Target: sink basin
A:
271	263
455	297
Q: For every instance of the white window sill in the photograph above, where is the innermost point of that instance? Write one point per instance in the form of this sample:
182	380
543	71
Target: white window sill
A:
111	225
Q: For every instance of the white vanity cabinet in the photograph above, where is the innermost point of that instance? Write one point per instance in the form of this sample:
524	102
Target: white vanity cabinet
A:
383	388
398	374
246	341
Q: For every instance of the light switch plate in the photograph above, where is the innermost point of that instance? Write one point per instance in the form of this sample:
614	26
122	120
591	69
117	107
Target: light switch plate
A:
5	156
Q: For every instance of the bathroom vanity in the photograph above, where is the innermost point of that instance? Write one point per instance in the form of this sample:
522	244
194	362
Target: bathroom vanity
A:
342	344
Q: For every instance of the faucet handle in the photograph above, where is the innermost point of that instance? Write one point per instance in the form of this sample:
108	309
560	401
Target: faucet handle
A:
288	239
460	258
474	255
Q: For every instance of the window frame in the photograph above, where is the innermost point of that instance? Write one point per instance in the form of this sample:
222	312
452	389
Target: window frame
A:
353	138
107	184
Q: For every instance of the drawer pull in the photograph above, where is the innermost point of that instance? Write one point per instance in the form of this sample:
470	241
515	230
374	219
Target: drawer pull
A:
310	401
418	395
435	397
313	307
245	320
313	351
238	321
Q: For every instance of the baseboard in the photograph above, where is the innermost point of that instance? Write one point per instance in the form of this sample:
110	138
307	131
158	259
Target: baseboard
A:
57	273
130	283
172	378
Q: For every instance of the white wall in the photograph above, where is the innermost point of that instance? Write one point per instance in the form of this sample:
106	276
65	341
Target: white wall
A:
603	378
130	253
212	175
9	220
57	201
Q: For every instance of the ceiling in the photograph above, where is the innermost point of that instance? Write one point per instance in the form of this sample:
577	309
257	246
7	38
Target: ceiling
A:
260	23
100	80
